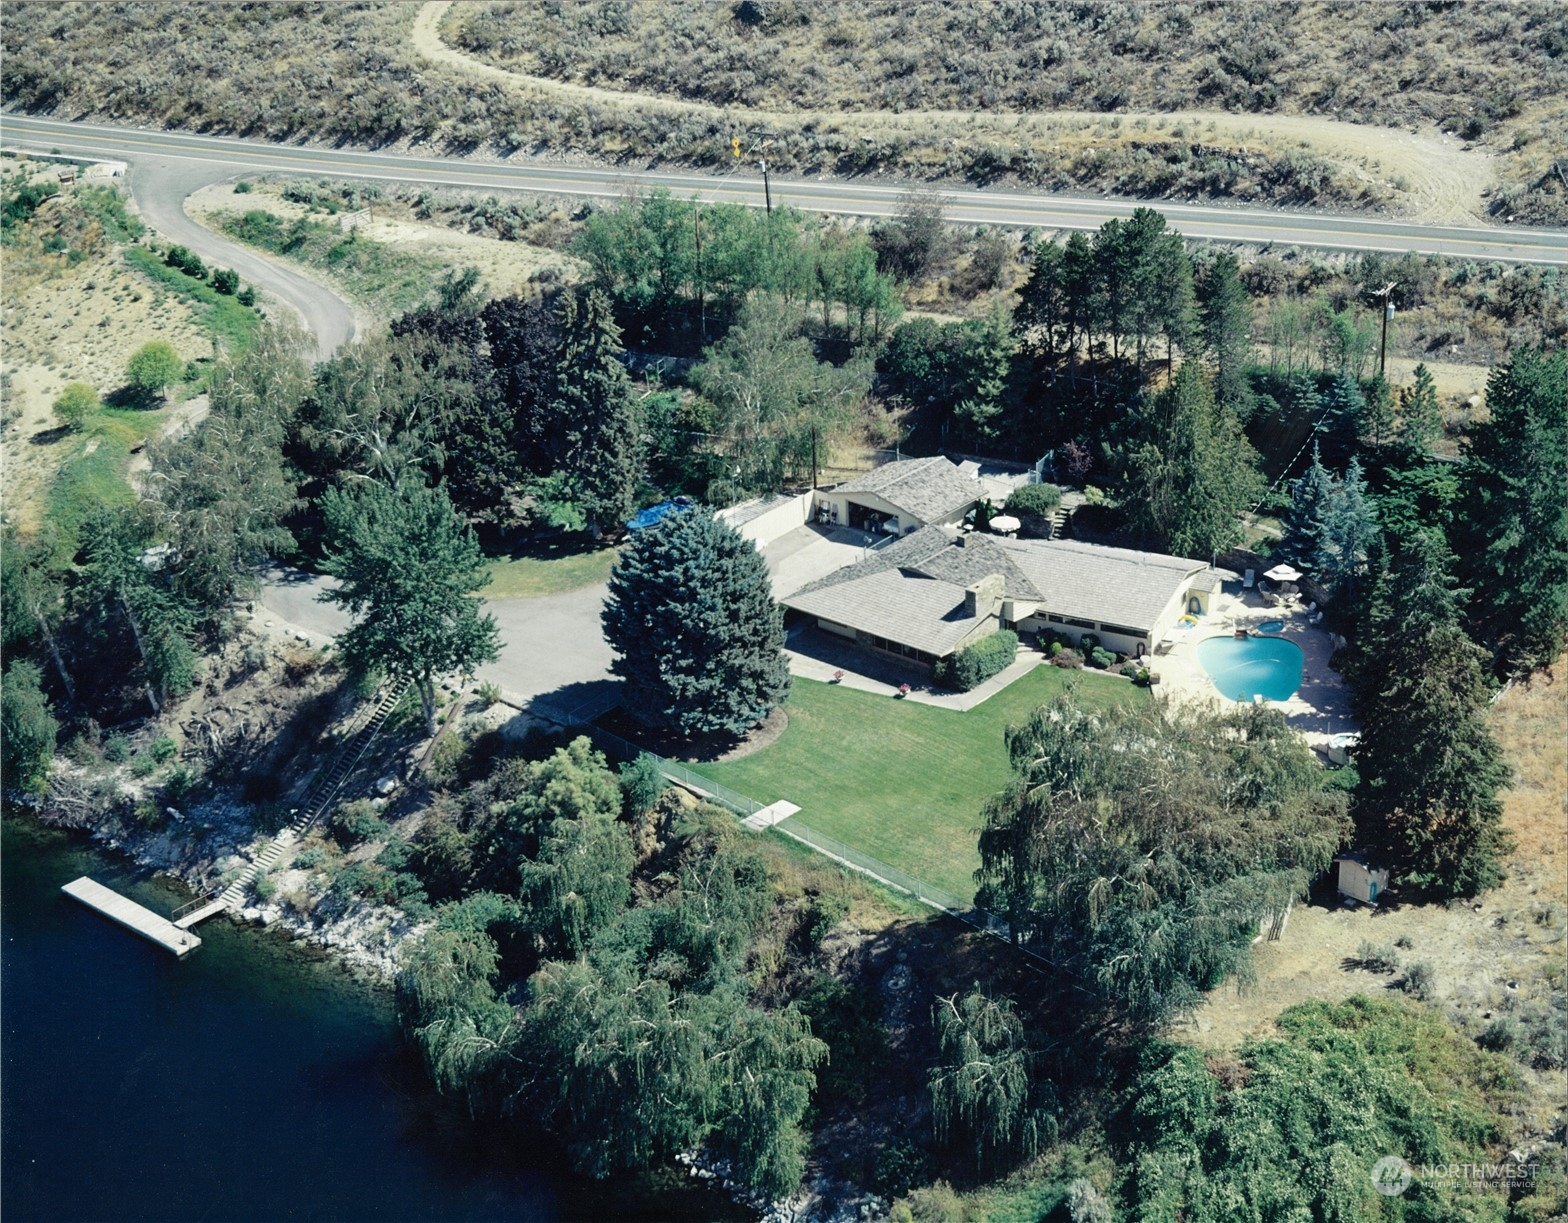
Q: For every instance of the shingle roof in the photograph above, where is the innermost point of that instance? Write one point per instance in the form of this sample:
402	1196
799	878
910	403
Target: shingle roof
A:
1106	585
1068	578
920	612
927	489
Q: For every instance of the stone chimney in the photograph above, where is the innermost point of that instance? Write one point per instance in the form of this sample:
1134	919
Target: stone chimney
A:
984	597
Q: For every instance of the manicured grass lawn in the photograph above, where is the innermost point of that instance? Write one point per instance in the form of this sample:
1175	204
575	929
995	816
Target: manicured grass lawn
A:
549	569
900	781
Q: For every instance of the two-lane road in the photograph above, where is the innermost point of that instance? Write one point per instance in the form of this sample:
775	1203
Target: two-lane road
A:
220	156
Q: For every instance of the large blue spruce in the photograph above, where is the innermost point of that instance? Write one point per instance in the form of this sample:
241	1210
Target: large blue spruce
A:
699	638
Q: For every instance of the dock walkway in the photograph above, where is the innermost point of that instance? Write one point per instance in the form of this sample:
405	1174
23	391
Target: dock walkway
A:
132	916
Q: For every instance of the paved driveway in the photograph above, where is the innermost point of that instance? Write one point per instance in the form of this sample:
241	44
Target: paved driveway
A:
552	649
553	652
810	552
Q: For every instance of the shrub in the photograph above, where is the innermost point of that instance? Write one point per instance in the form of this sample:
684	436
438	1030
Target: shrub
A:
356	821
116	748
266	887
642	782
1054	648
489	694
149	814
1420	980
242	187
1089	643
825	913
181	781
1377	957
1100	659
974	664
1501	1035
75	402
163	749
187	261
310	857
1071	659
1130	670
1039	499
226	281
246	296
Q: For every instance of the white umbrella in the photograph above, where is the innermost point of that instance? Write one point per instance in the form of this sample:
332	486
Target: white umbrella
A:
1005	524
1283	573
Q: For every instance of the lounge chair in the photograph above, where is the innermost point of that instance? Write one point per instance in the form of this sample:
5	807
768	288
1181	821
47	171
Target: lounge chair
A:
1249	580
1318	619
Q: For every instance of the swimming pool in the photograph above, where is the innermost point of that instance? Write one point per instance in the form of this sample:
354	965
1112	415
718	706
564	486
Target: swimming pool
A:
1272	626
1244	667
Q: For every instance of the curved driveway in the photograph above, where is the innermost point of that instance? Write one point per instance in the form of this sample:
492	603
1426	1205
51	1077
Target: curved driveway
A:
160	184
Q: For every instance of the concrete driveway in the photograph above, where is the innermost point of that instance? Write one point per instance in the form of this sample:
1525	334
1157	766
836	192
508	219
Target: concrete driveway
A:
553	654
810	552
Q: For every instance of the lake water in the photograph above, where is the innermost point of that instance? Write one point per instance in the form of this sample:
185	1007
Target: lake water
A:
251	1080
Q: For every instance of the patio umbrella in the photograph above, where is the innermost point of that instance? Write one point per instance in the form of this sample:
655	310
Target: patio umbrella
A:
1283	573
1005	524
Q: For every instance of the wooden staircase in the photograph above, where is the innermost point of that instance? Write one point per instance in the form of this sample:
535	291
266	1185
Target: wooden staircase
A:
317	801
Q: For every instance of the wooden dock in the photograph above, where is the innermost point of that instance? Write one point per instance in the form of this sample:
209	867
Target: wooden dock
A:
132	916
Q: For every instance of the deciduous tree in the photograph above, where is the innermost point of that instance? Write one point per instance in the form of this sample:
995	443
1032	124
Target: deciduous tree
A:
1138	848
409	571
29	730
154	367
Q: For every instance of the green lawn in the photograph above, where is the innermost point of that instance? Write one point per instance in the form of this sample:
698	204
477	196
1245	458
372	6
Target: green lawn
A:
901	781
549	569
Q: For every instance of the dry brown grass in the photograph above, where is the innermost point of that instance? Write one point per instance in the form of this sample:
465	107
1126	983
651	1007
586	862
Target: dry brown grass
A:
1531	722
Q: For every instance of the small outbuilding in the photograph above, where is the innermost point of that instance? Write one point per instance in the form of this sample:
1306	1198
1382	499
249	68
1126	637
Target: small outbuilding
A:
1360	880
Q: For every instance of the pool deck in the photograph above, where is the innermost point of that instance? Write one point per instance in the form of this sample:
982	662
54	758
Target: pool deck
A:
1320	708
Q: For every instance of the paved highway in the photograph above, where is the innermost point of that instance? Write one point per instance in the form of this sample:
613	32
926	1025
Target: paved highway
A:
221	156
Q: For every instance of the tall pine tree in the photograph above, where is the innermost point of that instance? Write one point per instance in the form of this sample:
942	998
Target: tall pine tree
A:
1193	473
1306	543
1429	767
1420	415
593	411
1227	332
698	637
1511	527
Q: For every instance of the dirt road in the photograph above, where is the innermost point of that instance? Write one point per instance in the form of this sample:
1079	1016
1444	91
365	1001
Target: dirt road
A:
1436	177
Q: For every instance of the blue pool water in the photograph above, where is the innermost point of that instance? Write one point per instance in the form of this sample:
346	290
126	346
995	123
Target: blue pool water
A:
1272	626
1244	667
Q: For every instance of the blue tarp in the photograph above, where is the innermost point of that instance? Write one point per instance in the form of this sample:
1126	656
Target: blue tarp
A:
656	514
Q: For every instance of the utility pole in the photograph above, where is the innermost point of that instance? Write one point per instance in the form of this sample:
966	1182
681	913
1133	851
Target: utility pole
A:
767	191
702	299
1386	293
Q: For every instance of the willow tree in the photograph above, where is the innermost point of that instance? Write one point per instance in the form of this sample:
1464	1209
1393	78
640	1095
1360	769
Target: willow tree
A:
1138	848
981	1086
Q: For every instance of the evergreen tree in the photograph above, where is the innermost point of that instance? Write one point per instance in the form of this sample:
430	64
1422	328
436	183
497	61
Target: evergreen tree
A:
1429	767
409	571
1377	412
1340	410
1352	527
28	732
698	637
1307	523
1226	312
1512	519
1042	317
593	411
521	333
992	362
1420	414
1192	473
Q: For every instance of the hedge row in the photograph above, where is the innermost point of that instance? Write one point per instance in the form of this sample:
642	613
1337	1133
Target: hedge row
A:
974	664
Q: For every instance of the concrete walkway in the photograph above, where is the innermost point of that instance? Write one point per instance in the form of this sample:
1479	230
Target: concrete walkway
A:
816	655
